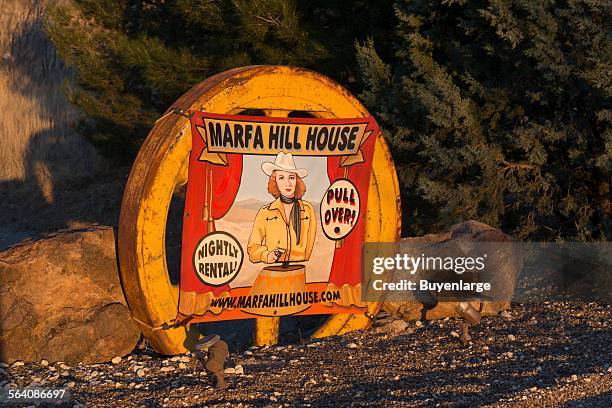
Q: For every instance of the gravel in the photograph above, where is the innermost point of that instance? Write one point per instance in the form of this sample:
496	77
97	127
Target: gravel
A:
561	356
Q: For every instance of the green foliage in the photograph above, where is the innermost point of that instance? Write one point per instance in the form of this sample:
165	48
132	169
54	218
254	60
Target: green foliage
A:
134	58
495	110
499	111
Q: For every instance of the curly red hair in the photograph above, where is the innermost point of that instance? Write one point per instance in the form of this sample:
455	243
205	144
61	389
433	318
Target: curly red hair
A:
300	187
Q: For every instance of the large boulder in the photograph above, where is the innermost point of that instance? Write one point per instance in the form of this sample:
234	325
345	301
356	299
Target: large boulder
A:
61	300
502	271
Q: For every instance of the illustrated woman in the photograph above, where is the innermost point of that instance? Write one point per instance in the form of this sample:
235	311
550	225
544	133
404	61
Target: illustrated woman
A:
284	230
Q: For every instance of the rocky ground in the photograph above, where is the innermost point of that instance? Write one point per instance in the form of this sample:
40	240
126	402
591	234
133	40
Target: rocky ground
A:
550	355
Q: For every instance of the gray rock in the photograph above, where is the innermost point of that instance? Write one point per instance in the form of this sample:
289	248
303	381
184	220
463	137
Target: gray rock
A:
393	327
61	290
501	271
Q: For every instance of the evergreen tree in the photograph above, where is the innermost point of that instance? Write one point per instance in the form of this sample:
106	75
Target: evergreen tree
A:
499	111
134	58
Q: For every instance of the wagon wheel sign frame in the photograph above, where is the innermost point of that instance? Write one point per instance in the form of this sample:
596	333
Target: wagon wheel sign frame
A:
162	164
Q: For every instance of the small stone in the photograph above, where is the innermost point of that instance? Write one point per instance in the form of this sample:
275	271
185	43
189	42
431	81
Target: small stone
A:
141	372
116	360
239	369
574	377
505	314
524	397
64	367
182	366
511	337
44	363
418	323
17	364
4	365
230	370
485	348
533	389
175	358
248	353
272	398
185	359
71	384
610	369
138	386
65	373
454	334
166	369
393	327
351	345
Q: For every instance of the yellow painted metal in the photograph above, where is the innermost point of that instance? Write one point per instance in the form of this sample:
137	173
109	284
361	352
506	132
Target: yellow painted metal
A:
266	331
161	165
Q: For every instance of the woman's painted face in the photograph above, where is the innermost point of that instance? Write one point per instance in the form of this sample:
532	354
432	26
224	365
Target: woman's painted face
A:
286	182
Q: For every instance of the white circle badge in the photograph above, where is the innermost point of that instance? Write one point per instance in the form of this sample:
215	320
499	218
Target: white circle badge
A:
217	258
340	209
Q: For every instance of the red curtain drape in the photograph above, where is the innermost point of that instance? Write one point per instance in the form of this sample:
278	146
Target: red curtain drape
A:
223	181
346	267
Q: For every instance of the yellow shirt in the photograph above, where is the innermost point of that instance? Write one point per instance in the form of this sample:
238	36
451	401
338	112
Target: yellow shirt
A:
272	230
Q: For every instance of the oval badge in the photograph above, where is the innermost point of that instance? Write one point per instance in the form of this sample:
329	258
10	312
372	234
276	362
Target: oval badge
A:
340	209
217	258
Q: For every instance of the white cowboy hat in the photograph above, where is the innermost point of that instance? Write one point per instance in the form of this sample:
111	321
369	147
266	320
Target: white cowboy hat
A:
284	162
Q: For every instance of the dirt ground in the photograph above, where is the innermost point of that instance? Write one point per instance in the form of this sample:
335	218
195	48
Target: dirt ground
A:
545	355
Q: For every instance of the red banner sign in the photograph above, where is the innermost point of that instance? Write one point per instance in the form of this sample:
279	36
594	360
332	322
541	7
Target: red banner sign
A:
274	218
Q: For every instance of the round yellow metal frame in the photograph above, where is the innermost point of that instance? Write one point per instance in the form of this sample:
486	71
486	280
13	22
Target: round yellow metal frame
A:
162	164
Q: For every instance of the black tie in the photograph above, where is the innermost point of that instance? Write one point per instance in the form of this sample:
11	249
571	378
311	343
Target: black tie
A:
295	214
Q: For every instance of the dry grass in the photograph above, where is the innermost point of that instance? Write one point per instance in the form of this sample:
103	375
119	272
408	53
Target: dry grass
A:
38	147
